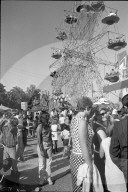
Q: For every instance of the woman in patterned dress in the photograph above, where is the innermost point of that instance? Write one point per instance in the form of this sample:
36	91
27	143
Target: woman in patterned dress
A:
81	133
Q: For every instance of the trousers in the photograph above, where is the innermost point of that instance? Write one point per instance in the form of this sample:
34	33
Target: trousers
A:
45	162
11	151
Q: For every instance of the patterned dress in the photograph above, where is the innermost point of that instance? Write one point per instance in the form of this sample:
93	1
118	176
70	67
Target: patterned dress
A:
76	158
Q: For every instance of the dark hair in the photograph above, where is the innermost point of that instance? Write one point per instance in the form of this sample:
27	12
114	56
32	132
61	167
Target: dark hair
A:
8	114
123	111
95	109
103	108
109	131
1	114
83	102
97	113
54	121
125	100
44	118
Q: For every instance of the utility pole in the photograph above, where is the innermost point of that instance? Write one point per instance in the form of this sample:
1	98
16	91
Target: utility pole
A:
92	90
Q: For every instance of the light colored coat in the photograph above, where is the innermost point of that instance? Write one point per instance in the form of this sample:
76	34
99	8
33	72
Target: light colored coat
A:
82	177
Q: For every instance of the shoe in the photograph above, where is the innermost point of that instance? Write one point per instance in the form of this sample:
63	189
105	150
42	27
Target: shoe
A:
37	189
63	155
3	188
42	177
53	151
21	159
16	173
50	181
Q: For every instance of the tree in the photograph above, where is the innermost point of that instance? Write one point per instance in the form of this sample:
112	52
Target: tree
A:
33	95
3	96
15	96
32	91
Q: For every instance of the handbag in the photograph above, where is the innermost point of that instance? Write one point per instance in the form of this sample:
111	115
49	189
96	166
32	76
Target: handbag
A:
7	163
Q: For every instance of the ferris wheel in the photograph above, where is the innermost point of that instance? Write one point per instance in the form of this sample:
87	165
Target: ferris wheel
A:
89	29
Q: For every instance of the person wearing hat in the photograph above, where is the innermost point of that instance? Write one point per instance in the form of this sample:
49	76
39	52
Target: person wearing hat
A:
119	143
9	131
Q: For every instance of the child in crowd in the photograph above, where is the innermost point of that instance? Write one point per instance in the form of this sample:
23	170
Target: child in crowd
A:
54	131
65	136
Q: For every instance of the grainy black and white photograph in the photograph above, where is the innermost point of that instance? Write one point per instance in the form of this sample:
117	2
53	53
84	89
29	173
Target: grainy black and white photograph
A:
63	96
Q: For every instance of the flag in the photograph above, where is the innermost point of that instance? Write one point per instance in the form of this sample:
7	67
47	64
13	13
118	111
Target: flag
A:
123	65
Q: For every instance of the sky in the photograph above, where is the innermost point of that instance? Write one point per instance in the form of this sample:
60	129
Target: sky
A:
28	32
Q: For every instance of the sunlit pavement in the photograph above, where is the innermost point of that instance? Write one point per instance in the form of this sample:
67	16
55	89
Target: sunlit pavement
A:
29	170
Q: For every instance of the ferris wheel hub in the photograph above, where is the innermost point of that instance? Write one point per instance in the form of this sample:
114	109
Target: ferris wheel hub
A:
95	6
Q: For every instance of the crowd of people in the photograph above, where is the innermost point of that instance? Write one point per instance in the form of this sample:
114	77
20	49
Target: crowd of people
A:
94	140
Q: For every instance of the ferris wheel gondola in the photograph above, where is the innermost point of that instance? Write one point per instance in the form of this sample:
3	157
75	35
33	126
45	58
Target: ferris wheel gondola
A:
111	19
112	77
81	8
117	45
56	53
61	36
98	6
94	6
70	19
53	74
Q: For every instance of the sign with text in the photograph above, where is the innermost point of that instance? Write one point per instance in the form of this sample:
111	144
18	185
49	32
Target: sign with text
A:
24	105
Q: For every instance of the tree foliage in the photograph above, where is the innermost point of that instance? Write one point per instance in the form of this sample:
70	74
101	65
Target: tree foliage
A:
3	96
15	96
34	95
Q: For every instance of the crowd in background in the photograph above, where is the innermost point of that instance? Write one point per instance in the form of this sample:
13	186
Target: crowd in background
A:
94	140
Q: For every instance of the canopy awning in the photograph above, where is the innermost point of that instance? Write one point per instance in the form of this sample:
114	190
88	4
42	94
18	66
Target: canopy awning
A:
115	86
101	101
39	108
3	108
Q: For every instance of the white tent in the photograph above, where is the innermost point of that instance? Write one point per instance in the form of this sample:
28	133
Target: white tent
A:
3	108
101	101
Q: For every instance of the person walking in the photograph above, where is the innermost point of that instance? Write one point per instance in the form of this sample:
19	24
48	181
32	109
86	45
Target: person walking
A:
82	135
24	133
9	139
20	144
44	149
54	131
119	142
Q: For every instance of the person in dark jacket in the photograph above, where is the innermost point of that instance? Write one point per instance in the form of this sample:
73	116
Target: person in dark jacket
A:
119	143
44	149
99	128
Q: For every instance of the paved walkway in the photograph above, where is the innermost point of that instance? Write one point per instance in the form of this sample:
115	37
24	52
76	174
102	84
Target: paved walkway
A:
29	170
